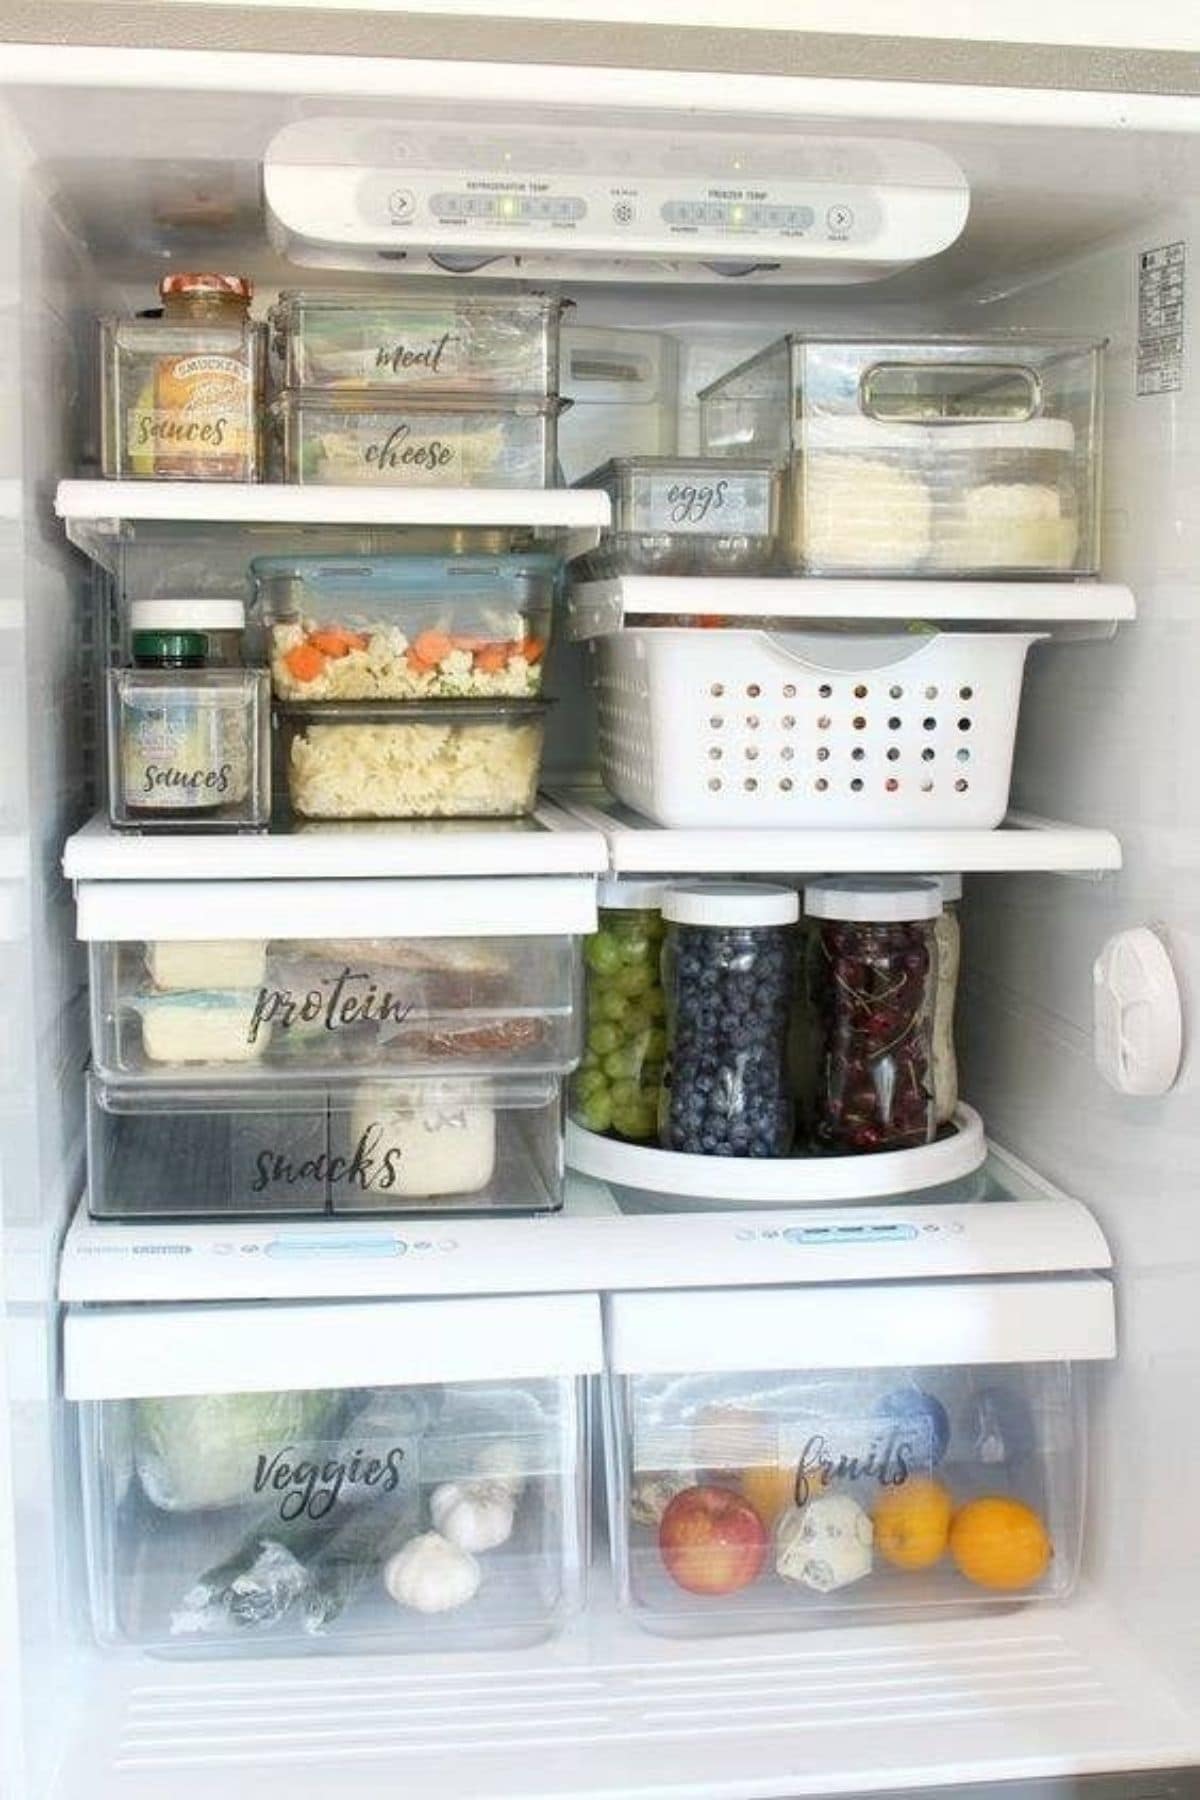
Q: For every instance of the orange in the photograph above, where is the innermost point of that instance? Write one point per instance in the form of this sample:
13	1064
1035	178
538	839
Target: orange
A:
1000	1543
771	1489
912	1523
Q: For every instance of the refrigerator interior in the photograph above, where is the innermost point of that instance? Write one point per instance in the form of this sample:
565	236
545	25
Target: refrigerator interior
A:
111	165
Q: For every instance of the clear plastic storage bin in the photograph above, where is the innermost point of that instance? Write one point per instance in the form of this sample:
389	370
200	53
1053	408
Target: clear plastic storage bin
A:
370	438
456	1143
169	1011
181	400
276	1480
789	1458
410	759
189	749
936	456
406	627
686	516
440	344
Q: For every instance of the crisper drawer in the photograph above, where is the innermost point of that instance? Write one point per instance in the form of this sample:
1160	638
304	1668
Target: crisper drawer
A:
462	1143
274	1480
317	980
792	1458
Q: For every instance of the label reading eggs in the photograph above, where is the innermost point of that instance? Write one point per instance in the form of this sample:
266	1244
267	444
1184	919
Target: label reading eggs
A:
712	504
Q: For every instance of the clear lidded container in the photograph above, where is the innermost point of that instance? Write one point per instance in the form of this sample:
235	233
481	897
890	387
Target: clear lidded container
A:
181	395
406	627
872	977
617	1086
927	456
728	977
686	516
413	759
379	438
446	343
947	932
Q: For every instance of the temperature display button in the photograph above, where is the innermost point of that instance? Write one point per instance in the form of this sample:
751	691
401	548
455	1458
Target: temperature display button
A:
735	215
849	1234
506	209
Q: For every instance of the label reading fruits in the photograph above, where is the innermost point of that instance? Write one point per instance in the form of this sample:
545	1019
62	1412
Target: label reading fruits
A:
721	504
887	1452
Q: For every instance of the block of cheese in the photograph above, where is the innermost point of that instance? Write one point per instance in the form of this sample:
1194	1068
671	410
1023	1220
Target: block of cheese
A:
206	963
424	1140
201	1027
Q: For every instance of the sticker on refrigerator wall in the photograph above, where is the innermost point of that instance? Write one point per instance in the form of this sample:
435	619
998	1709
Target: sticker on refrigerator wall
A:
1161	289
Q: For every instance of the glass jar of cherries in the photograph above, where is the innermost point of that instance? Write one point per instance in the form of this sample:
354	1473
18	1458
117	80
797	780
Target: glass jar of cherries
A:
872	973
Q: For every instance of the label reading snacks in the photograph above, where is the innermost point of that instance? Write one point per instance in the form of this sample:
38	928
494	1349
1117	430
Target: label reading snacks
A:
716	505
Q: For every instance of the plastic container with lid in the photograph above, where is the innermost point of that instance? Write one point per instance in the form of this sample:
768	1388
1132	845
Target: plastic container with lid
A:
407	627
181	395
221	623
379	438
616	1088
872	977
944	456
445	343
413	759
947	934
686	516
728	977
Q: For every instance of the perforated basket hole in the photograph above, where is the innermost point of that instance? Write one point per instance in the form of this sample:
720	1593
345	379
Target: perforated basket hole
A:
860	723
860	692
963	755
825	691
753	691
714	784
717	689
891	784
752	720
928	753
786	785
788	722
931	693
964	724
961	786
751	753
893	723
824	722
966	693
716	722
857	754
789	690
856	786
893	754
822	753
927	787
715	752
929	723
821	785
750	785
787	754
896	693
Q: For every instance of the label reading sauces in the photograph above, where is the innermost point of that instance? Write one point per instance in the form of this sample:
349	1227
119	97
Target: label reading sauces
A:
714	505
202	418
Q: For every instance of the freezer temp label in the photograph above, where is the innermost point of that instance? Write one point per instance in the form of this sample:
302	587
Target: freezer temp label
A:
1161	295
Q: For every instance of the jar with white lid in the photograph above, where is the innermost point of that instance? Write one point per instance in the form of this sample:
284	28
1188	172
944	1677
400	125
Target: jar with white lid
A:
221	622
616	1087
947	934
727	971
872	977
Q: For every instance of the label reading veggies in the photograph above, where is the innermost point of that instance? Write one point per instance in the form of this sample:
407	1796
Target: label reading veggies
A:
717	504
306	1481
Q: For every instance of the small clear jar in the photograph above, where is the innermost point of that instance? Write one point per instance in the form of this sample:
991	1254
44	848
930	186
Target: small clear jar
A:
727	973
872	978
947	934
221	623
616	1087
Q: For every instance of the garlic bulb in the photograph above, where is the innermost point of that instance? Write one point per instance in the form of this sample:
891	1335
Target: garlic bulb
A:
824	1545
431	1575
501	1462
475	1515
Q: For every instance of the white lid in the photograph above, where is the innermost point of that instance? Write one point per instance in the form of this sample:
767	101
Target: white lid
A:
631	891
874	899
731	903
853	433
951	886
187	615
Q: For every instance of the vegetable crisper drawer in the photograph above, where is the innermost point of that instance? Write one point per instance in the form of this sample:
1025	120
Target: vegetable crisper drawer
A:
280	1479
264	1011
793	1458
935	456
467	1143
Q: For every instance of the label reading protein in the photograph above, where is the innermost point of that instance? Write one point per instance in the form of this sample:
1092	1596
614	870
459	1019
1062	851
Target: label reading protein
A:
1161	296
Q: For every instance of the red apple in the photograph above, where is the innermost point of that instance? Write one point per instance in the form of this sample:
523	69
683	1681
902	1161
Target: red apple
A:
712	1541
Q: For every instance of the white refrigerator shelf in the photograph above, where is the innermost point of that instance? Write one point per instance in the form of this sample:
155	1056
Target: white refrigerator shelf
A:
94	512
1004	1221
1024	843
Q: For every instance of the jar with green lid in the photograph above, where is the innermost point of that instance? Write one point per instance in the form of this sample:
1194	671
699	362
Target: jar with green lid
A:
616	1087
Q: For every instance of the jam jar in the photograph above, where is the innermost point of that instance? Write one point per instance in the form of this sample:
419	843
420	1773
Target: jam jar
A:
728	978
872	978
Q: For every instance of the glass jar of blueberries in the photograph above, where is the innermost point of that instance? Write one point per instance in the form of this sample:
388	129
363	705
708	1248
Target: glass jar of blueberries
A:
728	976
872	976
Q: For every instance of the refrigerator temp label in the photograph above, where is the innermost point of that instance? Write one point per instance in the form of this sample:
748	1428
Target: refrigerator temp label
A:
1161	293
718	505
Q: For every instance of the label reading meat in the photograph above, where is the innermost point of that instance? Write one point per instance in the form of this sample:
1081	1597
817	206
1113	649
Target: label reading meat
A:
714	505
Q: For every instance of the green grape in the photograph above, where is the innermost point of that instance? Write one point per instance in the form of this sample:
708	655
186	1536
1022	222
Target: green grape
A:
596	1112
606	1003
624	1095
640	1122
589	1060
637	1018
656	1045
603	953
622	1065
603	1038
635	978
635	947
591	1081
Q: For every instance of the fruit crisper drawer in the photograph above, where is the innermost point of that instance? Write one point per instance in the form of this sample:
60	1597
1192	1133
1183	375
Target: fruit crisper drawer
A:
264	1010
794	1458
281	1479
475	1143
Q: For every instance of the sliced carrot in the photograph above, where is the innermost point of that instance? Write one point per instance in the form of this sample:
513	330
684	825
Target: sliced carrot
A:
492	659
462	641
334	641
305	662
417	664
433	646
533	649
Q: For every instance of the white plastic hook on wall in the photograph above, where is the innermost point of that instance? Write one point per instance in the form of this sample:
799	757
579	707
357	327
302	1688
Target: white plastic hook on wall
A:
1138	1016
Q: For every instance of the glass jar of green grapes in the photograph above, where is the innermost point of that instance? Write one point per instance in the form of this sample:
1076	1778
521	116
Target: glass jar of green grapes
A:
615	1089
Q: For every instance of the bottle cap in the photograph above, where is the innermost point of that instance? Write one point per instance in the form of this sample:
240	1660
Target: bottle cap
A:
635	892
170	646
746	903
874	900
200	614
187	283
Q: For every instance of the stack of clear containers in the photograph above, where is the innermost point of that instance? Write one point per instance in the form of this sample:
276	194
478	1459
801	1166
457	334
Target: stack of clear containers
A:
452	390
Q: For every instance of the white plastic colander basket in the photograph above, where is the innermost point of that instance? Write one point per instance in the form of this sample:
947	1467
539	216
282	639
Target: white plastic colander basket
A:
752	728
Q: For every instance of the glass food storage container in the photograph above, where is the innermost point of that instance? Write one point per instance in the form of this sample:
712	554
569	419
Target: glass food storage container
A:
412	759
169	1010
727	971
872	980
406	627
379	1476
181	395
935	456
461	1143
617	1086
789	1458
373	438
686	516
441	344
188	745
